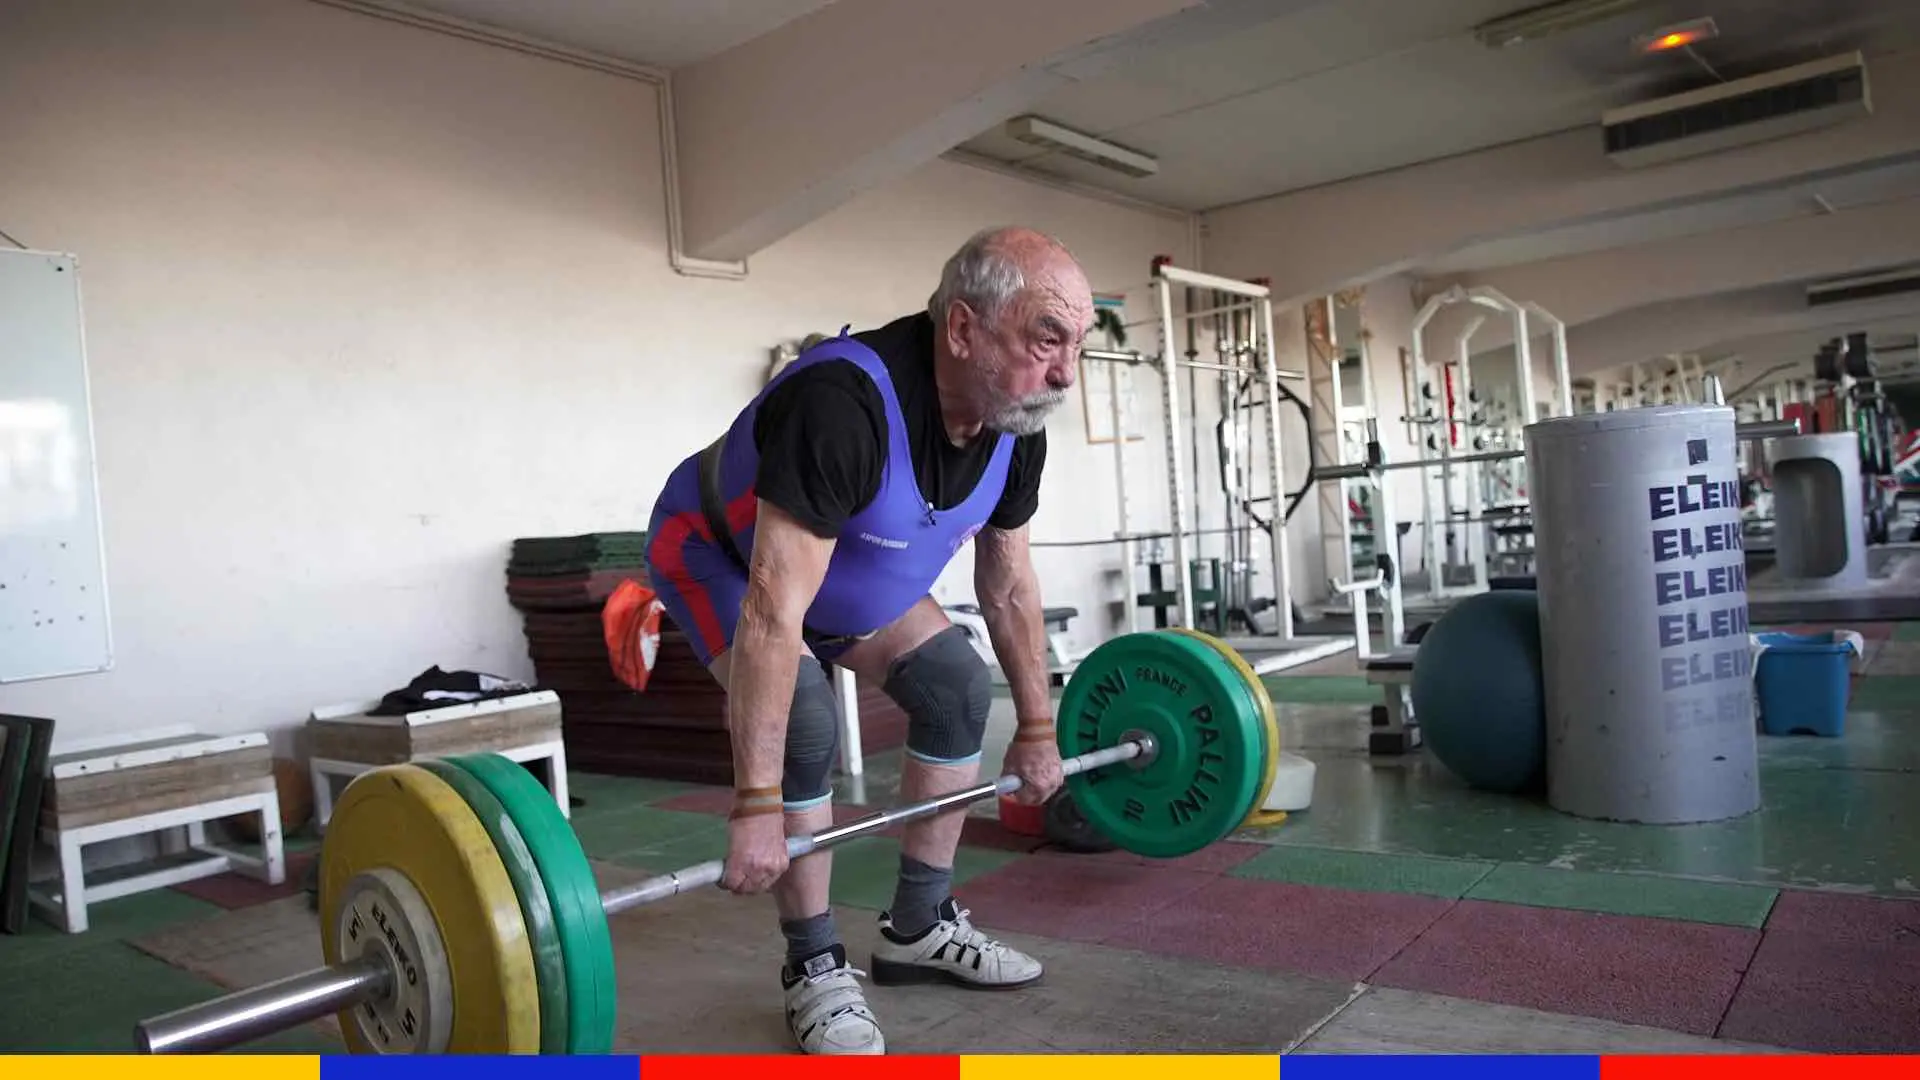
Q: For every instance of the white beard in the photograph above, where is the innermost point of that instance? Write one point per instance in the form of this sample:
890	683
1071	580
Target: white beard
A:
1025	416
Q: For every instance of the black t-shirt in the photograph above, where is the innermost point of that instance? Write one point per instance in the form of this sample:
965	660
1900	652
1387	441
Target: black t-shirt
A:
822	437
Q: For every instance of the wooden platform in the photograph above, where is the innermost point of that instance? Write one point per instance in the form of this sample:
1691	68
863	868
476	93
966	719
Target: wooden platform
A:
347	740
351	733
170	784
89	787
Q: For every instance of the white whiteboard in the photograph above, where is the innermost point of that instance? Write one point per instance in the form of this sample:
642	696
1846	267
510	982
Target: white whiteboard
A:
53	588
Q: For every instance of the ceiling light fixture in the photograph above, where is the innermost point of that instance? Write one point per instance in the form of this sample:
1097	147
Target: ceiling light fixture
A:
1039	131
1678	36
1546	20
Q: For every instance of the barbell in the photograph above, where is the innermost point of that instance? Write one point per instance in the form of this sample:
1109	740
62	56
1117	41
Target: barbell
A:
459	913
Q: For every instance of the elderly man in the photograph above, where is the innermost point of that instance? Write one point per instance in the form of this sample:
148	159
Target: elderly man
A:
813	530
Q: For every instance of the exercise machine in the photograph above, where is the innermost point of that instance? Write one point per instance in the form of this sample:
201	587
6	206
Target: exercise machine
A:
1188	589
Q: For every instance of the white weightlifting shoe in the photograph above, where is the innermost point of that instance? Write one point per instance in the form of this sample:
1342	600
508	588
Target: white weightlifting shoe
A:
826	1009
952	951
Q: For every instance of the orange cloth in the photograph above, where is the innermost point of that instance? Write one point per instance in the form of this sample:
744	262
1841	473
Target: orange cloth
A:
631	622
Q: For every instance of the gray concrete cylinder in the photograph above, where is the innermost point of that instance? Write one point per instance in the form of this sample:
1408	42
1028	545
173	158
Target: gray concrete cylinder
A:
1819	531
1643	615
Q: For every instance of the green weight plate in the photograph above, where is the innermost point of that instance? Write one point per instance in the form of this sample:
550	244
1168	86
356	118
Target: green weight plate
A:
584	937
1263	703
1211	754
543	933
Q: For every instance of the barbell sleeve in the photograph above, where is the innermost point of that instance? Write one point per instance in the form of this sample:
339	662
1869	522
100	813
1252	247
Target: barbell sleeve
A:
249	1014
245	1015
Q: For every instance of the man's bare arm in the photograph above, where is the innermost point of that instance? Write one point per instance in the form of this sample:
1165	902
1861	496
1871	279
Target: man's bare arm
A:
1009	593
788	565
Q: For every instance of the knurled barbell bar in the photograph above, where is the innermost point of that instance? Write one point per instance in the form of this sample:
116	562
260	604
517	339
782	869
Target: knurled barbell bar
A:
459	913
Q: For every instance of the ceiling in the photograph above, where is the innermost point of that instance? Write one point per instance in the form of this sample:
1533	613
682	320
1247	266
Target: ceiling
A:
1313	95
1274	96
1757	206
1351	87
657	33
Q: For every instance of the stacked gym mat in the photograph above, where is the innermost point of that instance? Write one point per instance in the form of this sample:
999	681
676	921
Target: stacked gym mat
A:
24	742
674	730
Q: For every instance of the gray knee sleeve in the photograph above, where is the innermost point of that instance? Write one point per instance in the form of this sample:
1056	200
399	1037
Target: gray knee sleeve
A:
813	738
946	691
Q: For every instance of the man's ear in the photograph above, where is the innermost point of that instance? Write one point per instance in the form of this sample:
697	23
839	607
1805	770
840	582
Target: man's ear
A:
959	321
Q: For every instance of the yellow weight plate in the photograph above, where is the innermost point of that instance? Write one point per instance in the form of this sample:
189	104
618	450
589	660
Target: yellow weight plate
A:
1260	697
405	819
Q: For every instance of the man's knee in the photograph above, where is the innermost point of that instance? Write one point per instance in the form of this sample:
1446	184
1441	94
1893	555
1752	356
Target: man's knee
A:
946	691
813	738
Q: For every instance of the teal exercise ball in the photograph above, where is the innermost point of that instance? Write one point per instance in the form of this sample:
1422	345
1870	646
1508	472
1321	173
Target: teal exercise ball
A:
1477	691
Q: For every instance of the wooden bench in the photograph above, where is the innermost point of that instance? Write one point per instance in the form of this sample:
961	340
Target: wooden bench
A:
172	782
346	740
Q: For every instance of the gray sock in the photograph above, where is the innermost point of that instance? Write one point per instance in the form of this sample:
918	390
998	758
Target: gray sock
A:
917	897
810	935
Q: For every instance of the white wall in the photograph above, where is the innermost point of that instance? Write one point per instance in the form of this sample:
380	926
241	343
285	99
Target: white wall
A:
366	302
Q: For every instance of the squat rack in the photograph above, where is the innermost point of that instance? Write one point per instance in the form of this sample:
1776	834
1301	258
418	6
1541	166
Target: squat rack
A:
1473	521
1265	652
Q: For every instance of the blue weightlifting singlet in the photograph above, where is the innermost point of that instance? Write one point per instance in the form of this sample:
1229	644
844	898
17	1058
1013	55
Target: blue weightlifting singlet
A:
886	558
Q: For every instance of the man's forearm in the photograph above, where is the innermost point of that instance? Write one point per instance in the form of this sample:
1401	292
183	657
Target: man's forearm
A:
766	660
1017	627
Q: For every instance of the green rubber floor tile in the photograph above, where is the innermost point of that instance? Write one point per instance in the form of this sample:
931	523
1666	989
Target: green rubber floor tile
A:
1627	894
645	828
1835	828
1906	631
90	1001
1869	740
1341	689
1886	693
663	854
865	869
1892	658
110	921
599	793
1364	871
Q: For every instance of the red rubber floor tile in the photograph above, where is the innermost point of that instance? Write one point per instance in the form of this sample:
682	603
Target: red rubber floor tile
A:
233	891
985	832
1245	922
1212	859
1813	992
1840	917
1073	900
1661	972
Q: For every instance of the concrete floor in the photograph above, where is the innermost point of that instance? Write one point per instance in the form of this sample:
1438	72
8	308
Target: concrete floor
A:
1402	913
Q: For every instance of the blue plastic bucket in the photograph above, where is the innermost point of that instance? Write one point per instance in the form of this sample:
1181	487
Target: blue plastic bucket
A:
1803	683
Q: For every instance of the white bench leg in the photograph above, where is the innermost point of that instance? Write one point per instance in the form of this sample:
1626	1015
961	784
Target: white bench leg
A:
557	779
272	843
853	759
73	885
322	795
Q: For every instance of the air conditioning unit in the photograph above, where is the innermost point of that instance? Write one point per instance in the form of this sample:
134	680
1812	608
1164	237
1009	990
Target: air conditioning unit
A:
1739	113
1847	290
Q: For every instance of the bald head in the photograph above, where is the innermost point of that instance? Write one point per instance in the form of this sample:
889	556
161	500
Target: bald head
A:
1010	313
990	271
